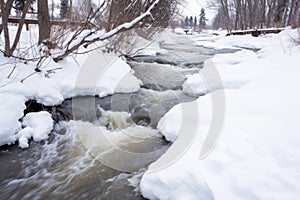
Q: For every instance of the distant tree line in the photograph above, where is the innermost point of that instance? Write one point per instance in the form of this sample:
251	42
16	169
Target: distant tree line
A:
248	14
195	23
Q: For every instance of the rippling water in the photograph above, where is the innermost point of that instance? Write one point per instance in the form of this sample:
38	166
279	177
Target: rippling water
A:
71	164
104	155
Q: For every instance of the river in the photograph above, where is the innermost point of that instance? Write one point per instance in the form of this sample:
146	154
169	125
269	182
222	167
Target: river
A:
78	163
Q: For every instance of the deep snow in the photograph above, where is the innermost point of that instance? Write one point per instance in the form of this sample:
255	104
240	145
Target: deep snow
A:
92	74
37	125
257	156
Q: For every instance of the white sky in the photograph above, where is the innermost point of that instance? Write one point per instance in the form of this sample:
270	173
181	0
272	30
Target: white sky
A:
190	8
193	8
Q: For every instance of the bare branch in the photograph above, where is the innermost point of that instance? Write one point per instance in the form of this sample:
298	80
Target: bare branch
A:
93	36
19	31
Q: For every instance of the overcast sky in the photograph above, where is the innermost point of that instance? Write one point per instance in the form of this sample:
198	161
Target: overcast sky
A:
193	8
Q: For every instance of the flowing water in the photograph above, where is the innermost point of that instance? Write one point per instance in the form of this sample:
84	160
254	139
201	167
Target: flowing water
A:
70	164
104	151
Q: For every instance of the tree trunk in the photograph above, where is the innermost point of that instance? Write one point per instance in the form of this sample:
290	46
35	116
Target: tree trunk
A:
7	9
69	15
5	28
19	31
10	50
237	14
250	13
291	14
225	12
271	10
263	15
43	20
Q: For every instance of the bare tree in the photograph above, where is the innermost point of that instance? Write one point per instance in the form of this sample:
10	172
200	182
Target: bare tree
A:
43	20
115	15
225	13
6	11
243	14
84	36
202	20
9	49
64	7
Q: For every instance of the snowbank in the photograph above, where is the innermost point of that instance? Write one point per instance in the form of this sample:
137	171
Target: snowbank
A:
258	152
195	85
11	107
171	132
176	185
92	74
98	74
37	125
226	65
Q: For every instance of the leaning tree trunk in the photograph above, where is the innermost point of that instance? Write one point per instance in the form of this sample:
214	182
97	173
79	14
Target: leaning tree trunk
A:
43	20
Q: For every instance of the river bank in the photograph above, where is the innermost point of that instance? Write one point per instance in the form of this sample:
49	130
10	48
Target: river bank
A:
126	113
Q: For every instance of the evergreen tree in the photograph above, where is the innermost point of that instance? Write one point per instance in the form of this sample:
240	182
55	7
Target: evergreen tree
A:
19	4
186	22
64	6
191	21
202	20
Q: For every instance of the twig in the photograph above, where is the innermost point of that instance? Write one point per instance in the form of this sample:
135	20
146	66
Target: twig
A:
28	76
90	50
5	64
52	70
65	115
12	71
27	59
7	83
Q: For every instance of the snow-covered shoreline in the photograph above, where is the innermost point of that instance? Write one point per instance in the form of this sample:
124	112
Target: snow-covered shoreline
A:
257	155
96	74
258	151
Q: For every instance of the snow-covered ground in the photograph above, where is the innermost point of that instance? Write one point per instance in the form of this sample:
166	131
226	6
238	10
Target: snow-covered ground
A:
257	156
92	74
